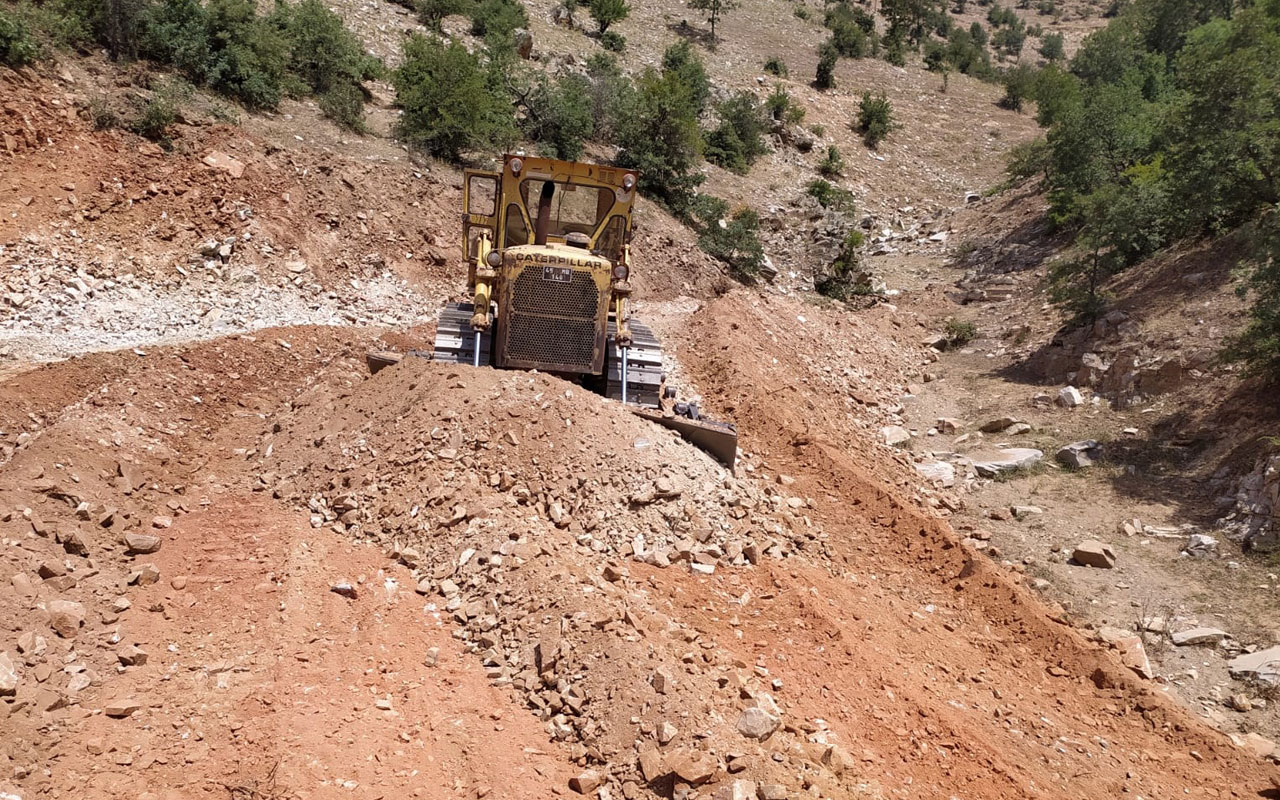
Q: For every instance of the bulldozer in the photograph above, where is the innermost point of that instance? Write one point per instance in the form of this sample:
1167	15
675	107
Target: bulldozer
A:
548	250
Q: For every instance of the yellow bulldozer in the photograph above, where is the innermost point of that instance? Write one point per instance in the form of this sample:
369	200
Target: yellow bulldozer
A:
548	249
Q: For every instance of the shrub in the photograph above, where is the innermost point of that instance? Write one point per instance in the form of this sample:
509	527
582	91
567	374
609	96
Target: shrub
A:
681	61
801	13
176	32
1258	345
449	103
959	333
895	50
433	12
849	40
1051	48
732	239
328	59
498	18
782	108
1027	159
1019	85
102	114
659	136
875	119
775	66
559	115
608	12
843	277
609	92
828	56
613	41
830	196
738	140
247	57
18	47
832	165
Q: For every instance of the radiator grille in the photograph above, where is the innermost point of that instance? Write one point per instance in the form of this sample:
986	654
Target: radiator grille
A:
568	343
578	298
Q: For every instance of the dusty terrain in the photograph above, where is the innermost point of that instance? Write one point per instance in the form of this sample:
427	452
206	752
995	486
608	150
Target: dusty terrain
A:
237	565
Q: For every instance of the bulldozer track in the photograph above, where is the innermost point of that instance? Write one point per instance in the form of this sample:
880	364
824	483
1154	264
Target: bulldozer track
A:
644	366
455	341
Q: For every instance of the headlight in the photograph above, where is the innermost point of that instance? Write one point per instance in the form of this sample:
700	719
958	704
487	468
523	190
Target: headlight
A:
620	272
494	259
516	166
628	181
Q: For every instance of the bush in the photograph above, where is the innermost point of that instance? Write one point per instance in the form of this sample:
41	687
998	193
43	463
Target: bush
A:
247	57
559	115
830	196
828	57
738	140
498	19
832	165
959	333
801	13
782	108
1052	49
102	114
1027	159
659	136
433	12
1258	345
608	12
895	50
775	66
732	239
18	47
681	61
609	92
156	117
328	59
449	102
875	119
1019	85
844	278
613	41
176	32
849	40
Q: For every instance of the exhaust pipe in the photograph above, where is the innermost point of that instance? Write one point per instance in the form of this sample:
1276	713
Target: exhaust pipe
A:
544	213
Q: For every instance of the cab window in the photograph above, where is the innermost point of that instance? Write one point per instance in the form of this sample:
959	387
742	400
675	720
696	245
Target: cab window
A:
574	208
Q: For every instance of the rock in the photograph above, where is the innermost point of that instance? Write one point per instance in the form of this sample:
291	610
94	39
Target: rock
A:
1092	553
895	435
756	723
666	732
65	617
8	675
938	473
771	791
585	782
1198	636
736	790
998	425
950	425
119	709
661	680
132	656
221	161
1262	666
652	767
1260	745
1129	645
432	657
1070	397
523	42
1017	429
345	589
141	543
1200	545
1022	512
145	575
691	766
1240	702
1079	455
1010	459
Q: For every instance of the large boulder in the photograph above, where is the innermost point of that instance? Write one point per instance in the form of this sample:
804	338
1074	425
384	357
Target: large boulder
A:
1079	455
1009	459
1092	553
1263	666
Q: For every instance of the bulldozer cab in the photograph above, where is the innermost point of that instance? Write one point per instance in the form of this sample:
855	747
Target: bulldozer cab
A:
587	200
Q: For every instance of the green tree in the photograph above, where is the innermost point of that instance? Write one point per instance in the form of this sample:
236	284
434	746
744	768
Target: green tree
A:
608	12
1019	85
449	100
177	32
738	140
328	60
18	47
713	10
432	13
610	94
832	165
828	57
660	137
498	19
1051	48
559	115
1258	345
731	238
248	58
1056	93
875	119
682	62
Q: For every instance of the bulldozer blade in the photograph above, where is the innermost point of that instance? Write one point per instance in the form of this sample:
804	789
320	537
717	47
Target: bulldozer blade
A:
717	438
